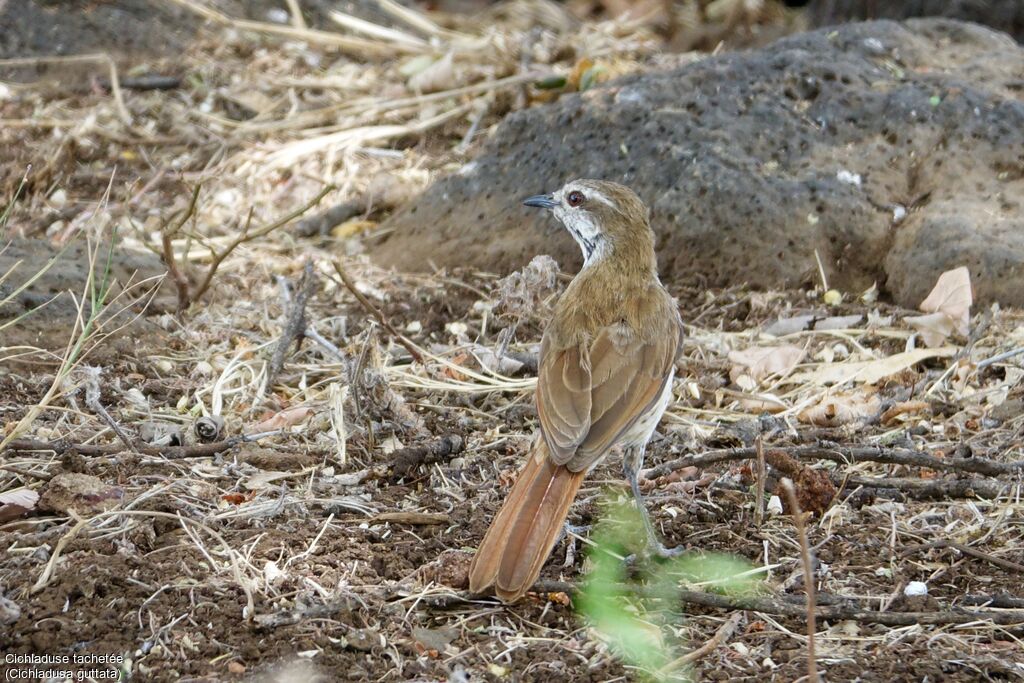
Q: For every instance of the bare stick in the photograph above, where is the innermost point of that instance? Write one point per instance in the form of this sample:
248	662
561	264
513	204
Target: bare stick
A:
805	557
297	20
966	550
931	489
759	491
838	613
177	275
295	325
770	605
92	399
204	450
247	236
327	610
187	295
723	634
375	312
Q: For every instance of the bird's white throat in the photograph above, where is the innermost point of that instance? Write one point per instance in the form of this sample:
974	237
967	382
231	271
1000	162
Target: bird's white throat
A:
585	231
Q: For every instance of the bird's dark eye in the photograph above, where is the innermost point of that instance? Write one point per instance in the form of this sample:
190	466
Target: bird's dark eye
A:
575	198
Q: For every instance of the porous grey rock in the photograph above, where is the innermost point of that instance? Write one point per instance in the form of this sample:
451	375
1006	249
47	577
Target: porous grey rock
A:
1003	15
893	150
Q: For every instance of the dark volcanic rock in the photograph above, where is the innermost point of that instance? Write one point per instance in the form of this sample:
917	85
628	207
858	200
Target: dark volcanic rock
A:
1004	15
896	151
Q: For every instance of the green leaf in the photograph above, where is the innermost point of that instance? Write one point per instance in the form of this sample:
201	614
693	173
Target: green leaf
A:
635	616
550	83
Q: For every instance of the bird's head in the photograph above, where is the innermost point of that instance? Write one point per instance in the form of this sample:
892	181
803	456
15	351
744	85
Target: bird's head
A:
603	217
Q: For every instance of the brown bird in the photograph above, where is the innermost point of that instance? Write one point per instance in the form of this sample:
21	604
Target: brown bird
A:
605	377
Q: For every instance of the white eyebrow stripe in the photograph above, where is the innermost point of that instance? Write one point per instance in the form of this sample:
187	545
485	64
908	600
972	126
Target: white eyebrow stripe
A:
594	194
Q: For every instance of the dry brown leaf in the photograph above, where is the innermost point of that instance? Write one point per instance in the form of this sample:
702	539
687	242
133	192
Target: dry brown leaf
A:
461	360
760	362
814	490
870	371
904	408
833	411
286	418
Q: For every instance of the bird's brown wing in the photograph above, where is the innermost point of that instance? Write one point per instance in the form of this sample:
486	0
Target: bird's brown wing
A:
563	398
587	396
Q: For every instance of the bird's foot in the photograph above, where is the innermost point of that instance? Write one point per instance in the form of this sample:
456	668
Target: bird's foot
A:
656	548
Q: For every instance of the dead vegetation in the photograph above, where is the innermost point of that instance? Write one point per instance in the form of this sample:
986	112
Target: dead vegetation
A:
370	422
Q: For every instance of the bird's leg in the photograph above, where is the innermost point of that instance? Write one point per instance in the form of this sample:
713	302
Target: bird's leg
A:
632	461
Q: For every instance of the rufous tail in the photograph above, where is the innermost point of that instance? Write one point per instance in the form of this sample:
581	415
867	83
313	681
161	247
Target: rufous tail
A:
526	528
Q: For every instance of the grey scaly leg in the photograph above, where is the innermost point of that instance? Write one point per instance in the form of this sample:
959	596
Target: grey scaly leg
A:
632	461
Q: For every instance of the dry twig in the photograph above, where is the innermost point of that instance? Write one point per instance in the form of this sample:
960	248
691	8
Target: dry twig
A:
845	455
809	580
295	326
186	294
376	313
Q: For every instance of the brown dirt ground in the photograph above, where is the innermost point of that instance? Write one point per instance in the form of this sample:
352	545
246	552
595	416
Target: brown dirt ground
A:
145	588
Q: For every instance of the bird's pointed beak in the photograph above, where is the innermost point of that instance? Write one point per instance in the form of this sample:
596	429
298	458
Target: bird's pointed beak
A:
542	201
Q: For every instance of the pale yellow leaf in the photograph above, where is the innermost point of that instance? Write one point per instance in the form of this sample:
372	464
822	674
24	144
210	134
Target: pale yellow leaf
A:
760	362
934	328
952	296
871	371
438	76
353	227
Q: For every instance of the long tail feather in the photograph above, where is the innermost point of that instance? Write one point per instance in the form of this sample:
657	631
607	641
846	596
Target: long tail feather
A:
524	531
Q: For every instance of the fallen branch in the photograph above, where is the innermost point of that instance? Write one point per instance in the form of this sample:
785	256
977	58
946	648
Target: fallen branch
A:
92	400
771	605
846	455
966	550
1000	600
150	82
834	614
322	223
931	489
61	447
